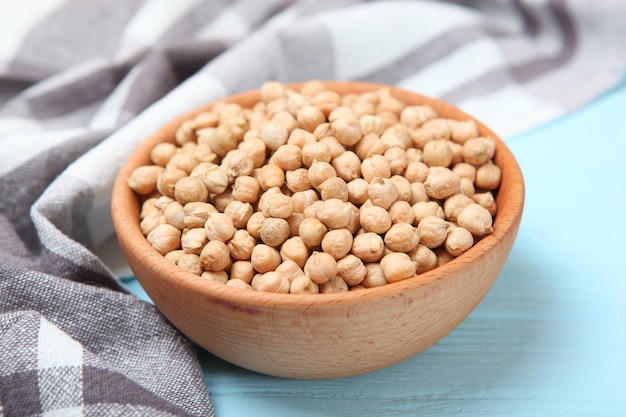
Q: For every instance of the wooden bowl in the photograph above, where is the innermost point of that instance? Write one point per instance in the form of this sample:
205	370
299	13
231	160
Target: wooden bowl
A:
322	335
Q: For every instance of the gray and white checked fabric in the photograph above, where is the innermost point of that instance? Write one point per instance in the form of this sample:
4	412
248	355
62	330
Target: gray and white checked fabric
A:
82	82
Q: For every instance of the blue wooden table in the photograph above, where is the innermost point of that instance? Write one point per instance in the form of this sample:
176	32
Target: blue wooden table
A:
549	339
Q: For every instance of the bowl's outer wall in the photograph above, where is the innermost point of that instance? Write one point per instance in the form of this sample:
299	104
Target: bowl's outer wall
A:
325	335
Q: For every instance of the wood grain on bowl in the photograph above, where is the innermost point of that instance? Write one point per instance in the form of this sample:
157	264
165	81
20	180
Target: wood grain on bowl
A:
324	335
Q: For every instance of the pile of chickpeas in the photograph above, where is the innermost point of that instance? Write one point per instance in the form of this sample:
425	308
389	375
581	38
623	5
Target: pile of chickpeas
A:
314	192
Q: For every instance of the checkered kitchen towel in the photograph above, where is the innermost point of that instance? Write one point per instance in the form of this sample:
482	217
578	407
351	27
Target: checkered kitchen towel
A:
82	82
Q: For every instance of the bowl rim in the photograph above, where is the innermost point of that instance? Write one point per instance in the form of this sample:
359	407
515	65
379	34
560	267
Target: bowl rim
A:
125	212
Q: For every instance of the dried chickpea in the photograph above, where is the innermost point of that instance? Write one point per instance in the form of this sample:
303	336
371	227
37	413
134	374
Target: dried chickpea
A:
457	153
424	257
432	231
162	153
219	227
375	219
193	240
287	157
303	285
347	129
351	269
371	124
255	149
215	276
215	256
241	245
437	153
337	243
415	116
396	135
357	191
300	137
362	107
242	270
443	257
402	237
190	189
290	270
294	249
174	214
442	182
418	193
297	180
375	166
477	151
303	199
335	213
270	176
463	131
316	151
486	200
183	161
423	209
309	117
333	187
274	231
265	258
190	262
416	171
166	181
222	200
320	267
374	276
476	219
216	180
164	238
312	231
439	127
454	204
333	144
294	223
285	119
465	170
370	145
401	212
397	159
272	90
467	187
236	163
237	283
488	176
420	137
270	281
143	180
403	187
333	285
347	166
273	135
174	256
148	224
397	267
326	101
278	205
185	132
313	209
254	224
458	240
368	246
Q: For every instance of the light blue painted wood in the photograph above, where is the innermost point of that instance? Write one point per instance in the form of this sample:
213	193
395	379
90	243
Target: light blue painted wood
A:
550	337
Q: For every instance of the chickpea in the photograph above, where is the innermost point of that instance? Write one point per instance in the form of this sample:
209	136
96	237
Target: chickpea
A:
143	180
374	276
347	166
397	159
347	129
336	148
278	205
432	231
368	246
294	223
285	119
162	153
219	227
486	200
255	149
287	157
462	131
370	145
190	262
254	224
415	116
375	166
316	151
190	189
465	170
455	204
274	231
272	90
351	269
320	172
467	187
320	267
309	117
375	219
357	191
294	249
166	181
476	219
290	270
396	136
215	276
303	285
174	256
401	212
236	163
312	231
337	243
439	127
403	187
270	281
442	182
488	176
477	151
216	180
397	267
313	209
438	153
241	245
215	256
184	161
301	137
423	209
298	180
418	193
333	187
443	257
193	240
424	257
246	189
242	270
458	241
174	214
303	199
265	258
371	124
237	283
402	237
334	213
270	176
333	285
164	238
327	101
416	171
